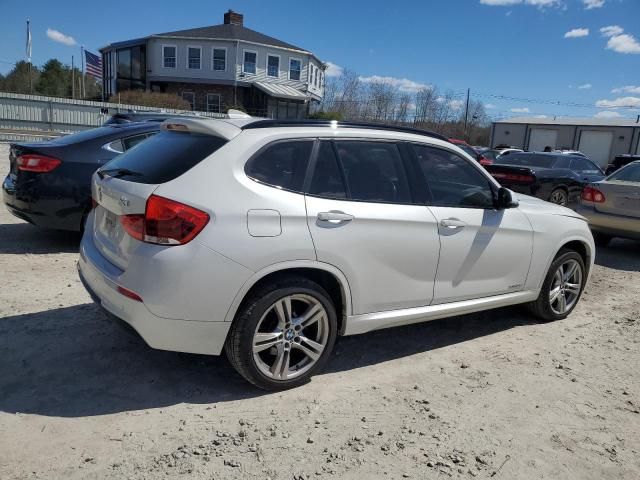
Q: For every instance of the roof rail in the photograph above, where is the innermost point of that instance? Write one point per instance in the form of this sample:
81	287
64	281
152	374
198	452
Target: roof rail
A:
330	123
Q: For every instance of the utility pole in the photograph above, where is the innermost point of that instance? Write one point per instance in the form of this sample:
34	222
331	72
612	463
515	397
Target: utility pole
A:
466	114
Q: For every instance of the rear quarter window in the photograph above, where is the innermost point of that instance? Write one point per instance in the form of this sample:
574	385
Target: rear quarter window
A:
165	156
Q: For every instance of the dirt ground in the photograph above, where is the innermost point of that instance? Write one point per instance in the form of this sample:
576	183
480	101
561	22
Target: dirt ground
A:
494	394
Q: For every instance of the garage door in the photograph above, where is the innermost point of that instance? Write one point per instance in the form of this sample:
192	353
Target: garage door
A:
541	138
596	146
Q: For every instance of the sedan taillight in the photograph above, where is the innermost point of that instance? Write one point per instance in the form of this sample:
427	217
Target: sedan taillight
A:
165	222
30	162
591	194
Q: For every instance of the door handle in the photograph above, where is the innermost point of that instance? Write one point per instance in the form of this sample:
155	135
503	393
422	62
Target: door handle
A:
334	217
452	223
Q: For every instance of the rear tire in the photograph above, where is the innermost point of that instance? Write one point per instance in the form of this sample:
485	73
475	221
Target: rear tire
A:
561	289
559	196
283	333
601	239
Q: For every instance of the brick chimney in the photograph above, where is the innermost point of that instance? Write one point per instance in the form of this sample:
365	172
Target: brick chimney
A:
233	18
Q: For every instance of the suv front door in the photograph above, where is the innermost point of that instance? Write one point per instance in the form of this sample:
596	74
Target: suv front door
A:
363	221
483	251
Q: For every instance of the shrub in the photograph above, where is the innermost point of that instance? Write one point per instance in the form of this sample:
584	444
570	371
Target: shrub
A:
151	99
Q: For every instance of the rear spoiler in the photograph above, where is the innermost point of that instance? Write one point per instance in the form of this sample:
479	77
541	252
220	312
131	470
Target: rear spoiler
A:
509	174
215	127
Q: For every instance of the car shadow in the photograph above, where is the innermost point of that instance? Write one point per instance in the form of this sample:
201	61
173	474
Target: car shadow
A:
74	361
620	255
20	238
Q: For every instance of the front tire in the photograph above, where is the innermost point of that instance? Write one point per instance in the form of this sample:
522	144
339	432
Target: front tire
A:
559	196
562	287
283	333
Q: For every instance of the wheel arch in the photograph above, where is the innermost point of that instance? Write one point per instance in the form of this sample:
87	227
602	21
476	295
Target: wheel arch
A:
326	275
582	247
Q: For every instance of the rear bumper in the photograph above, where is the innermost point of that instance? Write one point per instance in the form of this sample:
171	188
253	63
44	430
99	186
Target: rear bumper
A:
31	205
100	278
610	223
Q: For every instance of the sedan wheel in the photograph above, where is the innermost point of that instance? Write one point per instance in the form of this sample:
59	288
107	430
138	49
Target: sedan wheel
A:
290	337
559	197
566	287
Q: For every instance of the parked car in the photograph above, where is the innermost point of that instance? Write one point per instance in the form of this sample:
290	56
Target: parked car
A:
480	158
267	239
612	205
489	154
554	177
49	183
620	161
507	150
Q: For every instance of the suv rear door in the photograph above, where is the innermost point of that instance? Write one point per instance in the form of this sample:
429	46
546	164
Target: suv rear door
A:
364	221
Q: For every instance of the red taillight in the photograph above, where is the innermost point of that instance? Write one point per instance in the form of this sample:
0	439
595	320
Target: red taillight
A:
514	177
591	194
129	294
36	163
484	160
165	222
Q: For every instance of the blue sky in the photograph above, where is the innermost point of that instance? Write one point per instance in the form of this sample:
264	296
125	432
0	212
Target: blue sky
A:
513	48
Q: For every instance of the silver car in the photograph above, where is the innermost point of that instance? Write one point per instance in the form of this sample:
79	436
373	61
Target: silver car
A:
612	205
268	239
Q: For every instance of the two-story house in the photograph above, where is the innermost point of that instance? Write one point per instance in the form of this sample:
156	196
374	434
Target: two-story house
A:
218	67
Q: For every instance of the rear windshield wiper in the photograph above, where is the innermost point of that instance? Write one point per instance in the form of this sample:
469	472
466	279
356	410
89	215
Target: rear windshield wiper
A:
118	172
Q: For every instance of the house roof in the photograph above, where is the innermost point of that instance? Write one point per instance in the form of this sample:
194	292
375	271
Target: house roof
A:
600	122
281	91
230	32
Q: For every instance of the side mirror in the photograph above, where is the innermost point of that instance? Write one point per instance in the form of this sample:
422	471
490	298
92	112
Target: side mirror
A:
505	200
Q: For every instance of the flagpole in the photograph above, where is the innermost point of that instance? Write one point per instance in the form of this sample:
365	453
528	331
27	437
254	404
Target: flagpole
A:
29	55
84	91
73	79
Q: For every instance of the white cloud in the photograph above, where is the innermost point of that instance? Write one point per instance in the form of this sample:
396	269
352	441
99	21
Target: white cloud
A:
540	116
520	110
577	32
607	114
333	70
624	43
60	37
586	86
611	30
402	84
619	102
490	105
627	89
589	4
456	104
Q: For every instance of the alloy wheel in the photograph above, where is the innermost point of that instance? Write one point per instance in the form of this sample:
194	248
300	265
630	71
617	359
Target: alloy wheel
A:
559	197
565	287
290	337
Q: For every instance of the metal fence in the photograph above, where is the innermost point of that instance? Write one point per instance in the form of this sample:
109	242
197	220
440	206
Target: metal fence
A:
36	117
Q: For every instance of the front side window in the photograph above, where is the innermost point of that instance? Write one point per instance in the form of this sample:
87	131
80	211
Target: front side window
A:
273	66
295	69
169	56
191	98
213	102
327	179
452	180
250	60
194	57
374	171
219	59
282	164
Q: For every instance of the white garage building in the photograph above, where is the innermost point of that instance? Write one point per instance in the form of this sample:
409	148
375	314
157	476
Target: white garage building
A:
599	139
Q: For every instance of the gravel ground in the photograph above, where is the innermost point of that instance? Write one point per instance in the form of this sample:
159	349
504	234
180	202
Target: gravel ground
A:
485	395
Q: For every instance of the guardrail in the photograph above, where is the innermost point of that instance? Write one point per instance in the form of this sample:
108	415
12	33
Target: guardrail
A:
39	116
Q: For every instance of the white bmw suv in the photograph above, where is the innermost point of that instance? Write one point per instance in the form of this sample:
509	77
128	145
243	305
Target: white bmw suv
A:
269	239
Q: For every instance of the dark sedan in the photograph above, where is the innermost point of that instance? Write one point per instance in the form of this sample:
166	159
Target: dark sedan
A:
49	183
555	177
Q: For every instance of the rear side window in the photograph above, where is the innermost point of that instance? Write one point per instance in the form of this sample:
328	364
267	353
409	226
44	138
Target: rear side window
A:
165	156
584	165
282	164
374	171
131	142
327	179
630	173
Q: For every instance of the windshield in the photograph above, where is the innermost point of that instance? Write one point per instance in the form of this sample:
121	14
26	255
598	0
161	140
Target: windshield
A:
527	160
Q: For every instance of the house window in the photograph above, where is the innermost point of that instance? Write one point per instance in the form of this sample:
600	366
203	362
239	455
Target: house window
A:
191	98
213	102
220	59
250	60
295	68
194	57
273	66
169	56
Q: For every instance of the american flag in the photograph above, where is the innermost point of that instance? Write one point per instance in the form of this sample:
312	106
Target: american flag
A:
94	64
